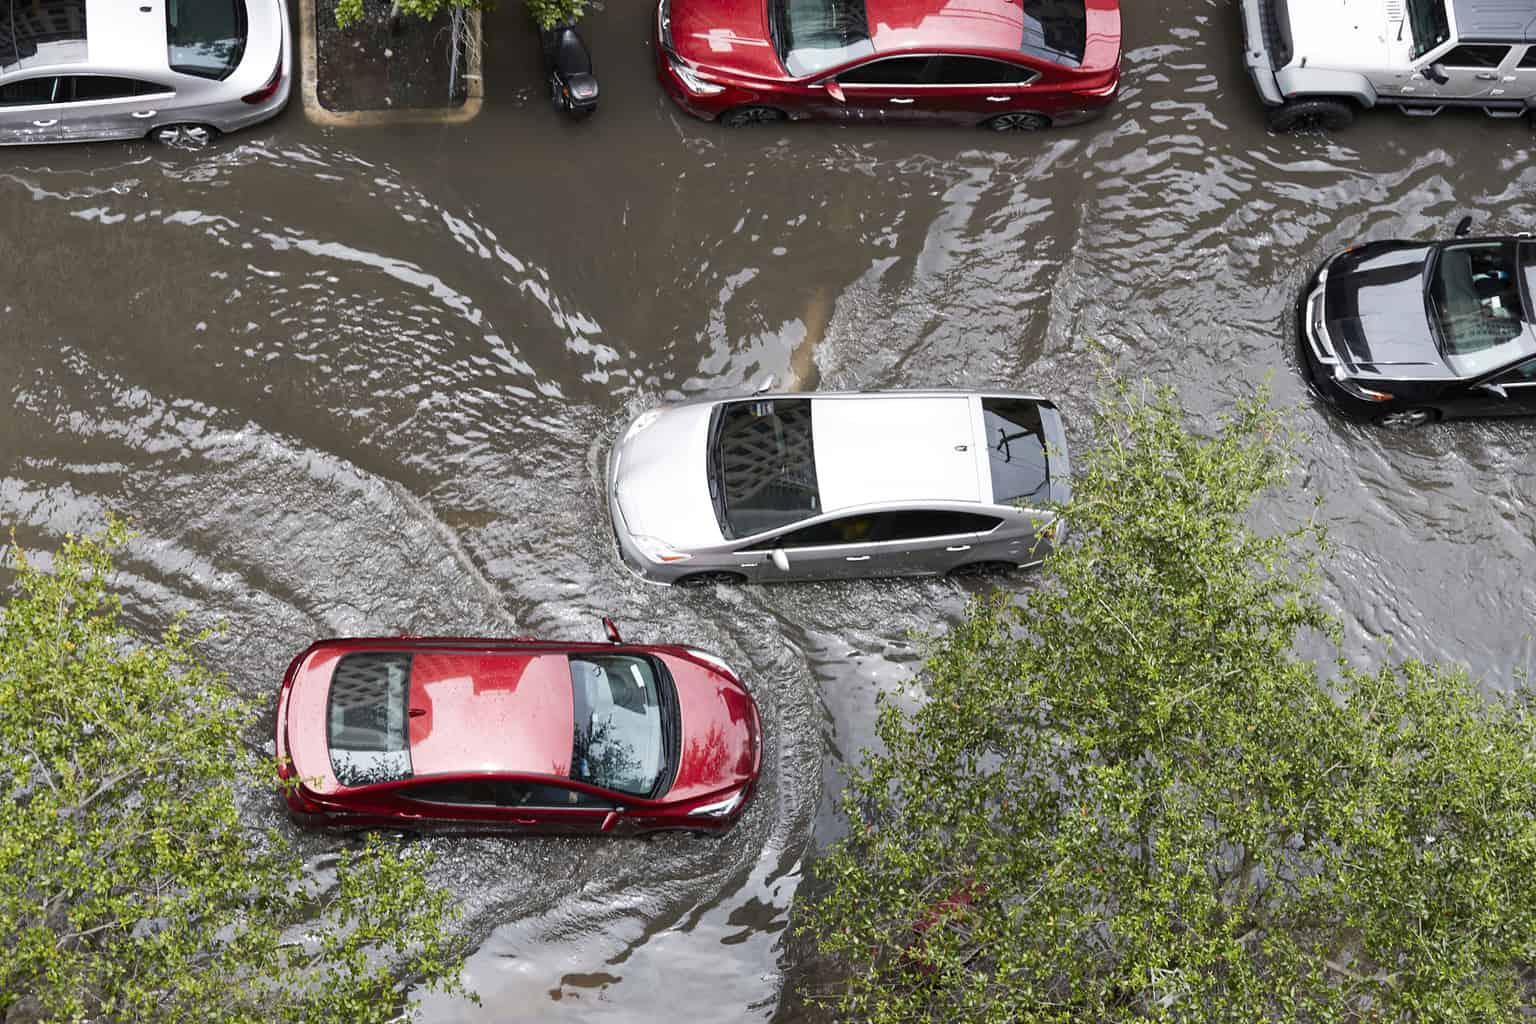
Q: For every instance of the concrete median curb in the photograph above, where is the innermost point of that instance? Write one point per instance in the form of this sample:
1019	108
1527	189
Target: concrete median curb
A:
321	115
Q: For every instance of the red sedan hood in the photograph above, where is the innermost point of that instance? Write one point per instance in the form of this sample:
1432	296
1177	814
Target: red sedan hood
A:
728	34
720	731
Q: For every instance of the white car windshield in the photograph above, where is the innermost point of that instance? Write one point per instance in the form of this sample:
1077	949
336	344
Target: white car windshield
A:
1427	20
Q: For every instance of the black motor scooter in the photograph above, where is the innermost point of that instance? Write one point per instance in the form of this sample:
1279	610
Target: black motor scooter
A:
572	86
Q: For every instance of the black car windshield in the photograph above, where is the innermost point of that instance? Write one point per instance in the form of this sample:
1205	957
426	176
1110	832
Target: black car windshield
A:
619	738
52	33
1015	450
1476	307
813	35
762	465
366	718
1056	30
1429	24
205	38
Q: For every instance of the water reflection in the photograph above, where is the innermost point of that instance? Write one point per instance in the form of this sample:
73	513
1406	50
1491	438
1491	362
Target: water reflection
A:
364	382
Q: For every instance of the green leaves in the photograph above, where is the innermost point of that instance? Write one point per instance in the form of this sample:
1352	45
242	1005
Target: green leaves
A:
130	889
547	13
1127	799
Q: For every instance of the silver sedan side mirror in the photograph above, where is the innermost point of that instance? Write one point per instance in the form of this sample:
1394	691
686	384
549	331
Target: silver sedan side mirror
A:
780	559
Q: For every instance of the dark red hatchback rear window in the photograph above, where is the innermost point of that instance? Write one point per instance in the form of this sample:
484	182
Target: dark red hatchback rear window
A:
366	718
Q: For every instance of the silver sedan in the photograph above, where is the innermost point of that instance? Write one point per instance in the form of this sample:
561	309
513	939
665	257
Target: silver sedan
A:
178	71
831	485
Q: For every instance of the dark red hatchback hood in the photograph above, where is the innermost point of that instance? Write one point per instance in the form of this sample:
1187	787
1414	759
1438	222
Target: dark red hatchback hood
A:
722	734
727	34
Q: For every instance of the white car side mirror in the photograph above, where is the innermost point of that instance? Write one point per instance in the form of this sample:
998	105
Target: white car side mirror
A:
780	559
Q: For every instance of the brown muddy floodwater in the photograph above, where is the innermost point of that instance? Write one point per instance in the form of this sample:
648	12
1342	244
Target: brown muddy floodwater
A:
360	381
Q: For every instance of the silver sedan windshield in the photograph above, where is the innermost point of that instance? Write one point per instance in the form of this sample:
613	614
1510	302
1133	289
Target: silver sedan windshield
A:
762	465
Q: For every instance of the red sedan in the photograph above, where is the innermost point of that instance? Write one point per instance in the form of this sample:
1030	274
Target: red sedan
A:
1011	65
522	735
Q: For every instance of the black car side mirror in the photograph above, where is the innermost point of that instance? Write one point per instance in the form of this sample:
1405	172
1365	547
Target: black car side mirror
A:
1436	73
1494	389
1464	227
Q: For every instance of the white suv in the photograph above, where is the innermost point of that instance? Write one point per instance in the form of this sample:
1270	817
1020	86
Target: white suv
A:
1315	63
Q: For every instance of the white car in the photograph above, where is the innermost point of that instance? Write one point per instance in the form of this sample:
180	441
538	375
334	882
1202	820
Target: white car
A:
829	485
176	71
1316	63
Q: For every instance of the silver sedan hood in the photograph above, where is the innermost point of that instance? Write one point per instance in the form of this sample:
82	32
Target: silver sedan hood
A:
659	478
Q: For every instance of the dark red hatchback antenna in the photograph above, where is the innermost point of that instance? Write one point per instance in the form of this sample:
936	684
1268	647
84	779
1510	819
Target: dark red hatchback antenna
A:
612	631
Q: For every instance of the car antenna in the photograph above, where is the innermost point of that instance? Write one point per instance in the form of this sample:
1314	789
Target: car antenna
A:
1464	226
612	631
765	385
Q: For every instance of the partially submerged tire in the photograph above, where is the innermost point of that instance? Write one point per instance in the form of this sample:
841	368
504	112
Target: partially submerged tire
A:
711	579
1017	121
743	116
185	136
1407	419
1311	116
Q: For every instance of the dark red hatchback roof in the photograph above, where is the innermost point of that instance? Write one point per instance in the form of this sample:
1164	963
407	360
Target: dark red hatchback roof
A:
409	708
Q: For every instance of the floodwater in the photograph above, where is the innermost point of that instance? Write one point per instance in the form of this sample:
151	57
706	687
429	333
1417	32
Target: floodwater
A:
362	381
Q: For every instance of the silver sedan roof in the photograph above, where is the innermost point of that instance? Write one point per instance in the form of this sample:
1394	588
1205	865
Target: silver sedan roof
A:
118	34
897	448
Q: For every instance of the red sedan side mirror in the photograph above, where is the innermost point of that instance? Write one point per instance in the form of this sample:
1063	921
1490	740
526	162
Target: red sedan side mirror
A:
612	819
836	91
612	631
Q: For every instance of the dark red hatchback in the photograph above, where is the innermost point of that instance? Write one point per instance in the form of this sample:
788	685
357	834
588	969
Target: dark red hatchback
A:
1011	65
521	735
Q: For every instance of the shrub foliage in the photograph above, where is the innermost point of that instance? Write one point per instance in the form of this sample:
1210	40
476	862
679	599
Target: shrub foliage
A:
547	13
1127	798
130	887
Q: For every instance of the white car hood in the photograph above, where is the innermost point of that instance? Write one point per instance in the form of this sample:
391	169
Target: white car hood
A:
1346	34
661	484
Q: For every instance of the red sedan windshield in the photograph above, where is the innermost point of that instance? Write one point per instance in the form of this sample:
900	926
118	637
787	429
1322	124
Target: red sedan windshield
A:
619	740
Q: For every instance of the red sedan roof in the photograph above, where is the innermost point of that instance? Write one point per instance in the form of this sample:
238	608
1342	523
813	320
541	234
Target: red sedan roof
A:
502	712
468	710
945	24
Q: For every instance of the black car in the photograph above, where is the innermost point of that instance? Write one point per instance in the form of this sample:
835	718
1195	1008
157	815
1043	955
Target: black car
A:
1406	333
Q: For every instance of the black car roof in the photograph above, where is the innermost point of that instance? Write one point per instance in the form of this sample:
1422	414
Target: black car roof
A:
1502	21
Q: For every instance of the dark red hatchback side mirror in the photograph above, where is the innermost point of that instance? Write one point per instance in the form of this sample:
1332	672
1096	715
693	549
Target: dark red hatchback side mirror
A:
612	631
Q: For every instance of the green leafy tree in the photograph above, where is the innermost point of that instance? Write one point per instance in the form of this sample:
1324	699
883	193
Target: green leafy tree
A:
1126	798
547	13
130	887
